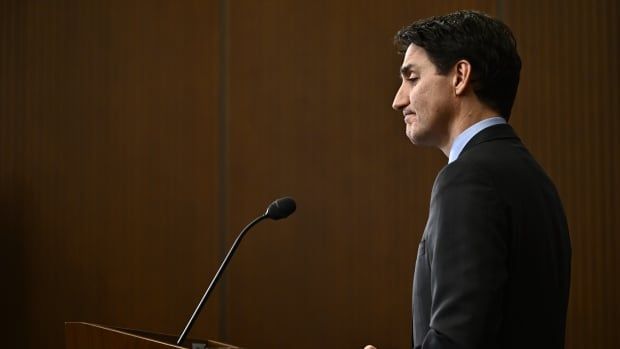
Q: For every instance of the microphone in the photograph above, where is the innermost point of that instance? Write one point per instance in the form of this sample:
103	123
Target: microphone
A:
280	208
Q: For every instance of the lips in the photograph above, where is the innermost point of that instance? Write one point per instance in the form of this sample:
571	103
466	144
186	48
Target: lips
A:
409	117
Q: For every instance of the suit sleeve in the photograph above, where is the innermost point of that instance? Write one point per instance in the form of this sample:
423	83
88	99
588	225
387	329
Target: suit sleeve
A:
468	260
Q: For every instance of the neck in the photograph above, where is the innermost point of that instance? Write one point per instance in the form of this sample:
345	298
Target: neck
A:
465	119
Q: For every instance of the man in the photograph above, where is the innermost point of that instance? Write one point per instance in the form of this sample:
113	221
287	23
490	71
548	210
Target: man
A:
493	264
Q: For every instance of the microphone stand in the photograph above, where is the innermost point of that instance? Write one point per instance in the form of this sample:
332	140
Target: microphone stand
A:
216	278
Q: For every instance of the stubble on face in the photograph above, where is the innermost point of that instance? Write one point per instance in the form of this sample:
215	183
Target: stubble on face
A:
426	100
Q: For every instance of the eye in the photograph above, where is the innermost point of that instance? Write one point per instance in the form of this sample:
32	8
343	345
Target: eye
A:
413	79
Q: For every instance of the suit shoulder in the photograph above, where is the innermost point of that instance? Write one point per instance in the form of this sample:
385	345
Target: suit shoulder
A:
461	173
462	168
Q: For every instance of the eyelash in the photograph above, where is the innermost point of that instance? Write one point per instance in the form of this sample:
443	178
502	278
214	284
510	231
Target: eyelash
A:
413	79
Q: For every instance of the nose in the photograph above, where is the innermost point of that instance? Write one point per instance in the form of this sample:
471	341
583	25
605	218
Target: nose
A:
400	100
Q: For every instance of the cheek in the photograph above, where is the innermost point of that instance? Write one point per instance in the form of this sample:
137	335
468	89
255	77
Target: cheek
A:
429	99
419	101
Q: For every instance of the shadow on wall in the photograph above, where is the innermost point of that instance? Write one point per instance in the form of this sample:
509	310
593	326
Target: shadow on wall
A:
13	260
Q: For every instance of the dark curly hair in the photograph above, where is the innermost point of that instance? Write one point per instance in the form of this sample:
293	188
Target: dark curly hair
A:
486	43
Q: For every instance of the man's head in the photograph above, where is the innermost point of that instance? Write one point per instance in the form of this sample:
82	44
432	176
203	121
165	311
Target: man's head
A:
462	54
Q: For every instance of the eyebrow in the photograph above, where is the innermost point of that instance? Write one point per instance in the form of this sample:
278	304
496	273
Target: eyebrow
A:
407	68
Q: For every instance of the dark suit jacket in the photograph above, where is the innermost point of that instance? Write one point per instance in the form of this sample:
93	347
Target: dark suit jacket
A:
493	266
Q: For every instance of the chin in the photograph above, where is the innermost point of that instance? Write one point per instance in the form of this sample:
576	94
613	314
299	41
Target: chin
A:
418	138
414	139
413	134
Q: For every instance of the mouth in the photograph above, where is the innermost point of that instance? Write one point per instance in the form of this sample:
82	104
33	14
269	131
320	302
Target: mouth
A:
408	117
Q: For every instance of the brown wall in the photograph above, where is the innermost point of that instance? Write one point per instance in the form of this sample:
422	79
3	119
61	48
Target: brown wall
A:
137	139
109	164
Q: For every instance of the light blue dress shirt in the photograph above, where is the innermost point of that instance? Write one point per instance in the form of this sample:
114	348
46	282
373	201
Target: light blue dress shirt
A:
465	136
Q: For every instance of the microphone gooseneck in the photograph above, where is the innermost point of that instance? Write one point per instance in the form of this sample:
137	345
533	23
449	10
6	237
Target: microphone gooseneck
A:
278	209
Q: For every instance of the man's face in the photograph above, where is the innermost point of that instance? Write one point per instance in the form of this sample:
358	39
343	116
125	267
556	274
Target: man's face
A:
425	98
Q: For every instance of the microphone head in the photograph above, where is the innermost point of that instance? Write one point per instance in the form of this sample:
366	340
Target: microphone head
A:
281	208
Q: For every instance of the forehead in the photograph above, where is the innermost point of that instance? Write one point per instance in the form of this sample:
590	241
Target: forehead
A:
416	57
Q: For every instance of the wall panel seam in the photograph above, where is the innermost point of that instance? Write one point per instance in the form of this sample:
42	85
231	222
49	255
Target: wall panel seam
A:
223	150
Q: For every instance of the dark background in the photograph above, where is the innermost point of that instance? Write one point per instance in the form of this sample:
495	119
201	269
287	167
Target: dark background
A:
138	137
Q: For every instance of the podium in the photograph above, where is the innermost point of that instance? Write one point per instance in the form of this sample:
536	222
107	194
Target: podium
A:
81	335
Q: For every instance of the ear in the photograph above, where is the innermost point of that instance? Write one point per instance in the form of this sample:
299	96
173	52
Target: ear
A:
462	76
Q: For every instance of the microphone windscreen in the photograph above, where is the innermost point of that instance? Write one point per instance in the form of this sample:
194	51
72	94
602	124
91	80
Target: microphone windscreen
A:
281	208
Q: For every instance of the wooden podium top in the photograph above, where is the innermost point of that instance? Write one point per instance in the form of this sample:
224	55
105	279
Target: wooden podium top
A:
81	335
